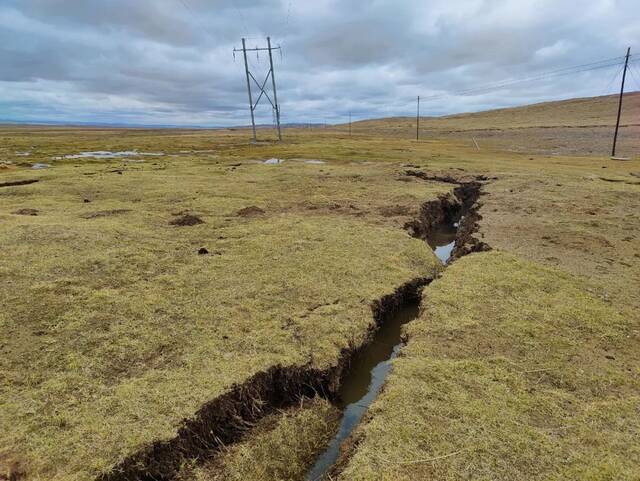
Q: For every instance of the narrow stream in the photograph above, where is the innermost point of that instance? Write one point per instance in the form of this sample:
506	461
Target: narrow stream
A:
369	371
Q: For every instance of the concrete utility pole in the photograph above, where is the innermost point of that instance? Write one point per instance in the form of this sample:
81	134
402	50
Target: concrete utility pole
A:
418	121
261	86
624	75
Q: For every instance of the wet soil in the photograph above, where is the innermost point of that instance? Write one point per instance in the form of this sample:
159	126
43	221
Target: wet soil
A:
352	384
361	385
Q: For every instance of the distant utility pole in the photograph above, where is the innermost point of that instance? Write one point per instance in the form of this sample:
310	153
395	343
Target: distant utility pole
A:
624	75
349	124
418	121
261	86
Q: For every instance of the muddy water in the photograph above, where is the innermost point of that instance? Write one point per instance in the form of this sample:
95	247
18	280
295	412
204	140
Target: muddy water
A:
360	387
442	238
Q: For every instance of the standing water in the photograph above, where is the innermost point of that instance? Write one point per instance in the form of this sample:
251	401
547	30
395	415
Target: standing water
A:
442	238
362	383
372	365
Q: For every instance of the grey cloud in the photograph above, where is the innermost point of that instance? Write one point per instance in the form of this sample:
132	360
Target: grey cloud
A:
170	61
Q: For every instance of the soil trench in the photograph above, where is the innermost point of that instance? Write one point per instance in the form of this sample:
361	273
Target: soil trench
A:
353	384
447	225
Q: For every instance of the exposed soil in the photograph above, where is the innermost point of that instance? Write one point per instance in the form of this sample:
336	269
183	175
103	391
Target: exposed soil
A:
464	203
203	251
104	213
228	418
186	220
251	211
18	182
26	211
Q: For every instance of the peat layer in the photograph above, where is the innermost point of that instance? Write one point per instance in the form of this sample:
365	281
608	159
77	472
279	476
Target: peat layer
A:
464	204
230	417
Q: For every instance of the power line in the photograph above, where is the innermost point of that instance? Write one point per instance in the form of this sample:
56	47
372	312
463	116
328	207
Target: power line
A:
188	8
606	63
606	90
633	74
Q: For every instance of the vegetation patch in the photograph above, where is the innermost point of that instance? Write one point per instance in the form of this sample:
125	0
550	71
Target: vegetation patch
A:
513	371
104	213
281	446
251	211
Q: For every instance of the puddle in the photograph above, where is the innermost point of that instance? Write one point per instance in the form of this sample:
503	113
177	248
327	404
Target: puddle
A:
40	166
314	161
23	154
105	154
361	386
442	238
273	161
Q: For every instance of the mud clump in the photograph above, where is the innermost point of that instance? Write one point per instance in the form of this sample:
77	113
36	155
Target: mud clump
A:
186	220
26	212
251	211
104	213
203	251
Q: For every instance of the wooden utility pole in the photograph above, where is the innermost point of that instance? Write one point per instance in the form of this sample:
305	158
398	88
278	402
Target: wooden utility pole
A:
418	121
624	74
261	86
349	124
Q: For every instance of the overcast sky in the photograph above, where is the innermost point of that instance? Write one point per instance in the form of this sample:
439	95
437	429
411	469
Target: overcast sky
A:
170	61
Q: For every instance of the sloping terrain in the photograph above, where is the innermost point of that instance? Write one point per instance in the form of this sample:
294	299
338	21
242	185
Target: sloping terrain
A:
575	126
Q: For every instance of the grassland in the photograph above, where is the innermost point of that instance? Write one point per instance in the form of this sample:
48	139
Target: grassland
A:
115	329
574	127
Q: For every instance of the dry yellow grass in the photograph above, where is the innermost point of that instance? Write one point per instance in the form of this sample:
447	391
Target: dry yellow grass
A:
513	371
114	329
576	127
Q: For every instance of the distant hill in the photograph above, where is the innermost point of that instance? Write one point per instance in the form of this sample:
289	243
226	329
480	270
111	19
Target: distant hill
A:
582	112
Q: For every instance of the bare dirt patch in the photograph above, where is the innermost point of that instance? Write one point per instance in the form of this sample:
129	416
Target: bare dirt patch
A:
186	220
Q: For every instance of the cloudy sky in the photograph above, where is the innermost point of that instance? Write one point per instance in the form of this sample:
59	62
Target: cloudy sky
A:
170	61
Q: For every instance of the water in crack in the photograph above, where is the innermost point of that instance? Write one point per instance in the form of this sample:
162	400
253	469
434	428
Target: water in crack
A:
442	238
362	383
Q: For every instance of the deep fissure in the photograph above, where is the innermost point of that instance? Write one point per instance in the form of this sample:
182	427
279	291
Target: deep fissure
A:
447	225
353	384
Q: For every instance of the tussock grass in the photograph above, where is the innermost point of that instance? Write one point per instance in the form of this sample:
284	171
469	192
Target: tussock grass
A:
281	447
114	329
512	371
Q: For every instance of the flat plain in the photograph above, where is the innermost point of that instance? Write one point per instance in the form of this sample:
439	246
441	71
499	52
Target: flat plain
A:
139	291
